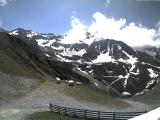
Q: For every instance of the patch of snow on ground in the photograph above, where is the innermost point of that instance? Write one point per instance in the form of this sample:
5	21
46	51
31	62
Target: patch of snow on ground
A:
120	76
91	72
152	73
126	80
29	35
103	58
82	71
150	83
57	48
67	52
32	34
132	60
126	93
45	35
44	42
62	59
152	115
57	78
70	53
14	32
49	43
79	83
47	55
142	92
41	42
88	66
135	73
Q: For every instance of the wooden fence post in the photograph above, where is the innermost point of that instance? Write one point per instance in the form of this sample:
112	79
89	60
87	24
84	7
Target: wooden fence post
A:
98	115
114	115
50	107
58	110
85	114
65	111
74	113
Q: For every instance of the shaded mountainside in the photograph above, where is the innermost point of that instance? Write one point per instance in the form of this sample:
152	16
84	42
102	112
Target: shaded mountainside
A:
150	50
22	57
106	64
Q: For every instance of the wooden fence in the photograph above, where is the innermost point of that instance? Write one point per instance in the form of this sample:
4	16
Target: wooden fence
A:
93	115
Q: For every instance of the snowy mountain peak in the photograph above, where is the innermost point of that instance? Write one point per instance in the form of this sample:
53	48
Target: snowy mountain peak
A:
111	62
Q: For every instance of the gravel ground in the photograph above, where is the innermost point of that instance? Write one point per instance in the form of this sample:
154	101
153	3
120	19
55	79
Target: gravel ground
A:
38	101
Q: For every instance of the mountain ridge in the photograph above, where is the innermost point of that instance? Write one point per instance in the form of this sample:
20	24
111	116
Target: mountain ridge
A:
109	62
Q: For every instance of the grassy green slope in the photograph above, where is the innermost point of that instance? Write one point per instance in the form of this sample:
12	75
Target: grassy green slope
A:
152	98
84	93
10	66
49	116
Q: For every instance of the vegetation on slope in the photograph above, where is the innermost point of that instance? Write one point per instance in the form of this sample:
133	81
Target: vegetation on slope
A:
49	116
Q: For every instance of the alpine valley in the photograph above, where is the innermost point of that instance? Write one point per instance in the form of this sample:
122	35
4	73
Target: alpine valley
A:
105	64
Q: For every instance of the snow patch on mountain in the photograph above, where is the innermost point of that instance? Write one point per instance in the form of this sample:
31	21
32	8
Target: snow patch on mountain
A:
126	94
47	55
59	57
126	80
153	74
103	58
70	53
131	60
57	48
82	70
45	43
30	35
14	32
150	83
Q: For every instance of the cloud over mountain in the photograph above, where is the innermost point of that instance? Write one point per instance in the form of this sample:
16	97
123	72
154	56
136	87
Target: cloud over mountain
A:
104	27
157	37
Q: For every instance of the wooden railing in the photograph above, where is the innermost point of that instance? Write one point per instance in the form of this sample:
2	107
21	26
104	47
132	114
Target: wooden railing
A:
93	115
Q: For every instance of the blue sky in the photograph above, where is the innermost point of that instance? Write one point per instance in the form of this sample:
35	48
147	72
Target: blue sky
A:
46	15
135	22
55	15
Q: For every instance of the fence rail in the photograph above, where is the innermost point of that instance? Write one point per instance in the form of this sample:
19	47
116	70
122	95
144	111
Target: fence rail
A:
93	115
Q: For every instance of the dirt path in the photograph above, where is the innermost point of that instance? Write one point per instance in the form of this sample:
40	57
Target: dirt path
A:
38	101
137	106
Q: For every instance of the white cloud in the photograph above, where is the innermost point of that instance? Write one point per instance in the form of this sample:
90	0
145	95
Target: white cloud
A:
157	31
78	31
5	2
103	27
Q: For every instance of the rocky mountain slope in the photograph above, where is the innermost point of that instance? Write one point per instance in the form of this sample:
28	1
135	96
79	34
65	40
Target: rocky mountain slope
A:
153	51
106	64
25	55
